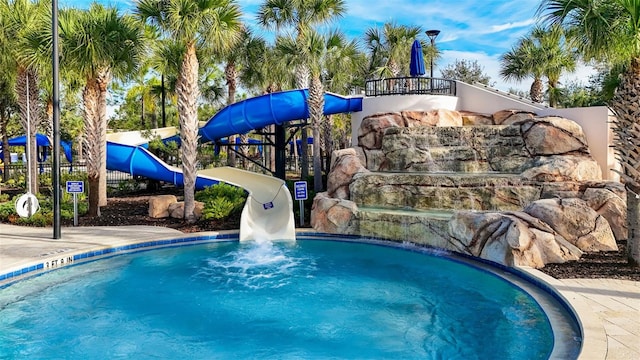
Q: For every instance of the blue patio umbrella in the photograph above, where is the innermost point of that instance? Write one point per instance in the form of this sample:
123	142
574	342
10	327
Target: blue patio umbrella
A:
416	67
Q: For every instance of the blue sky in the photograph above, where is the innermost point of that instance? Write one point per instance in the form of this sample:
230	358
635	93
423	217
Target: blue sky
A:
470	29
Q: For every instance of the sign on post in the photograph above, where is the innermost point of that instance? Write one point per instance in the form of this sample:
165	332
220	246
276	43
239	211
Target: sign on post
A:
75	188
300	190
300	193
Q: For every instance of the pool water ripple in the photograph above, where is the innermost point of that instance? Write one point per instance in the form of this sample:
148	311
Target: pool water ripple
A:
310	299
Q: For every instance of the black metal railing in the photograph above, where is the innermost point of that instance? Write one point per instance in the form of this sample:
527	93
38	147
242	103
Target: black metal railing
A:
410	86
20	169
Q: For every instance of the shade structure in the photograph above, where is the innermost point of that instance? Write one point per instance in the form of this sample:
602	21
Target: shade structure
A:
41	140
416	67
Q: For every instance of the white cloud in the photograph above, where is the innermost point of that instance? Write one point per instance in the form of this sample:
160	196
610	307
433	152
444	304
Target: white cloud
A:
509	26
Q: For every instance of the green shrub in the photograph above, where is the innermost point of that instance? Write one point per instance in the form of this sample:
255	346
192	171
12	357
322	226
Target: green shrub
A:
6	210
221	200
44	217
219	208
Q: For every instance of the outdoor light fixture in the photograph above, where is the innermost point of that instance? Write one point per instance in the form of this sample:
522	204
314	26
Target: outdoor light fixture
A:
432	34
55	173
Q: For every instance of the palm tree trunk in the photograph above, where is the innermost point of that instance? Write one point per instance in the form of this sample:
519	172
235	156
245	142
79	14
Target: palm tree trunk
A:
302	82
49	125
231	75
626	128
6	155
328	141
633	224
304	153
92	140
103	80
188	93
30	118
316	114
536	92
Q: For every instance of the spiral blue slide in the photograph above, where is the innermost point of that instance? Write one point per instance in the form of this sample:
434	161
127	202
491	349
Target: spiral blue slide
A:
275	108
268	211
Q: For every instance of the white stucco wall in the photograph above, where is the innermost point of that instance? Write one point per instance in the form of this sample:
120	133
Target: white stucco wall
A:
593	120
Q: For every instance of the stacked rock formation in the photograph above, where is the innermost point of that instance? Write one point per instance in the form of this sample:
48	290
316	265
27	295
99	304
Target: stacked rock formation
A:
510	187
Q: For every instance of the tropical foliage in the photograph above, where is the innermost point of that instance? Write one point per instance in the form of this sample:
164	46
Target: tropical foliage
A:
609	31
212	27
100	44
541	53
177	62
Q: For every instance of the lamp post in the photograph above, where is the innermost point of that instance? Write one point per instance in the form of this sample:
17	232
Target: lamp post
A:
55	173
432	34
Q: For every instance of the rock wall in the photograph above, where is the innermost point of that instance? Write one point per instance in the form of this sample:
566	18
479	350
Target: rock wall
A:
510	187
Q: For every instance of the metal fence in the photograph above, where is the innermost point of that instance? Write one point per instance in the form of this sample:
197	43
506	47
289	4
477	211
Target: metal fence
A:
409	86
116	178
20	169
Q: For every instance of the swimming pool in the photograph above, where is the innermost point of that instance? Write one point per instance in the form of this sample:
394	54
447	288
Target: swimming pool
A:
309	299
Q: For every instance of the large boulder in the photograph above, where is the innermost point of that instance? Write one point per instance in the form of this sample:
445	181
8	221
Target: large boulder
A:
508	117
471	118
345	164
176	210
553	136
372	129
159	205
574	220
509	238
562	168
334	216
437	117
610	205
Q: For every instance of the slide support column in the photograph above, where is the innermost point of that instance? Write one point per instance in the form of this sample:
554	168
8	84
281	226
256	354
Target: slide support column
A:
280	149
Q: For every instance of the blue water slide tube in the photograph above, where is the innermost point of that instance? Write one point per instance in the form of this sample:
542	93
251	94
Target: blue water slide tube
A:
138	161
269	109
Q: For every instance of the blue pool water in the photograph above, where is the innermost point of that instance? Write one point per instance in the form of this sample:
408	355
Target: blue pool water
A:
307	300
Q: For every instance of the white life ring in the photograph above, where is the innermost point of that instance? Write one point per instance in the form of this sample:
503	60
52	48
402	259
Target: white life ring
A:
22	205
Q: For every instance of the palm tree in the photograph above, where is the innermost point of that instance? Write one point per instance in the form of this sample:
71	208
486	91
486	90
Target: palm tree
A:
310	51
301	15
325	55
235	59
542	52
389	49
8	105
21	26
165	58
607	30
343	68
558	58
197	25
520	63
8	101
99	44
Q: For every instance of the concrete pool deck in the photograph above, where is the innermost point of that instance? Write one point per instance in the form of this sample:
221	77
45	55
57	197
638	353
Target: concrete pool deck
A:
608	309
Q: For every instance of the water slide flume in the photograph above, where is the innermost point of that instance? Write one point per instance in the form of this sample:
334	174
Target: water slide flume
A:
271	109
268	211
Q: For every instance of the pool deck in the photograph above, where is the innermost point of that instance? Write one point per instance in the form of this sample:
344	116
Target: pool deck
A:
608	309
